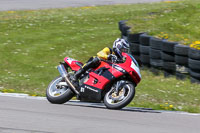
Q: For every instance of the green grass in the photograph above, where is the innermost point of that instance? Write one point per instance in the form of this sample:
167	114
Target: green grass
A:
158	92
33	42
179	21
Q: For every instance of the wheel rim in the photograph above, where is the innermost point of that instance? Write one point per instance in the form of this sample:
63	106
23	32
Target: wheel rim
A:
58	88
113	99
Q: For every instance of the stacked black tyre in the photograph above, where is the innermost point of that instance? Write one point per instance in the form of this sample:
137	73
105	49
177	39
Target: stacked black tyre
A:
156	61
168	57
194	65
124	29
134	42
181	59
144	49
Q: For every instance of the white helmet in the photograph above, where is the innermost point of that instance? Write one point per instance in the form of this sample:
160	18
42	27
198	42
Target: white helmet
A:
120	45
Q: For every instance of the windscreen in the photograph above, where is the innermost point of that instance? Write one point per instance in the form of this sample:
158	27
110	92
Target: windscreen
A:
134	60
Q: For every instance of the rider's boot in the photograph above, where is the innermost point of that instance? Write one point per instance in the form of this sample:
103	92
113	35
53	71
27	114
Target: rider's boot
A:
82	70
78	74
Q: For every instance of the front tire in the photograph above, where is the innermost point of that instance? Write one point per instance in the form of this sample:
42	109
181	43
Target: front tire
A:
126	95
58	92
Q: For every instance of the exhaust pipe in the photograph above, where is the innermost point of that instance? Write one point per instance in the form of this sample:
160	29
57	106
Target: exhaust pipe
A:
64	74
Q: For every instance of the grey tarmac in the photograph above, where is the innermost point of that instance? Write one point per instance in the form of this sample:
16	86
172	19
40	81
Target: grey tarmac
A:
44	4
29	115
36	115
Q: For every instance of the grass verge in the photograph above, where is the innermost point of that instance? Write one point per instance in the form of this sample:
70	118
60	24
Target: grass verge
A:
33	42
175	21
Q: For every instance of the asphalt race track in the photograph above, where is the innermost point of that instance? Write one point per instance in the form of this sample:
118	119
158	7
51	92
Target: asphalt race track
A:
36	115
27	115
43	4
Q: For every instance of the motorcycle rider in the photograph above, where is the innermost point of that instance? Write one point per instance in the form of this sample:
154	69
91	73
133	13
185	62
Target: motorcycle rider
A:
119	46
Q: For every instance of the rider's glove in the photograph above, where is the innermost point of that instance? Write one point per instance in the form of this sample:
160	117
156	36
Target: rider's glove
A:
112	57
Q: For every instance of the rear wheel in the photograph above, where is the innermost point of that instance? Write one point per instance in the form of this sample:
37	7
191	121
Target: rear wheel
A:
58	91
114	100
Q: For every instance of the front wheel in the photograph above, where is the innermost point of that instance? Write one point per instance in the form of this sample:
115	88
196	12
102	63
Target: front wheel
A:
118	100
58	91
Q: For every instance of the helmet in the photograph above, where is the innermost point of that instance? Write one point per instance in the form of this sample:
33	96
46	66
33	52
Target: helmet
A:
121	45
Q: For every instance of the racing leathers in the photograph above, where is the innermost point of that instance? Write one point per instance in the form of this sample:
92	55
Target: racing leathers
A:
93	62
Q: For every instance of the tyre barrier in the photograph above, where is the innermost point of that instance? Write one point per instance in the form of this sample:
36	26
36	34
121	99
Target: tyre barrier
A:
194	65
124	28
120	23
161	54
194	54
135	51
168	57
145	60
181	59
156	61
135	48
168	46
156	43
133	40
144	49
144	41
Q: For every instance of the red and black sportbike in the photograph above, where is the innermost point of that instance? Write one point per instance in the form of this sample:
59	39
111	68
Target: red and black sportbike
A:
111	82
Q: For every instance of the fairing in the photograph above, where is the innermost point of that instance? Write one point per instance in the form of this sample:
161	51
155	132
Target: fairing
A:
72	63
112	71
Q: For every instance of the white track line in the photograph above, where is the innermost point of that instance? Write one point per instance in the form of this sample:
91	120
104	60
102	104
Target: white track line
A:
98	105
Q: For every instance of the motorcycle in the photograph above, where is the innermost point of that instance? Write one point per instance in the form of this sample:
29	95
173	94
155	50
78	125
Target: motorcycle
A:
111	82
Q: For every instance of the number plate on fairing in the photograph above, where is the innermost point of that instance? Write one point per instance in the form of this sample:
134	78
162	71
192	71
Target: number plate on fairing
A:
69	60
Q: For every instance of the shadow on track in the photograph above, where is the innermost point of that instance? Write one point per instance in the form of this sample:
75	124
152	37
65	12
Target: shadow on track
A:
101	106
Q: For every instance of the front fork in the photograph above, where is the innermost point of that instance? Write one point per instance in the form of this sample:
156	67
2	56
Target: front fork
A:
119	85
64	75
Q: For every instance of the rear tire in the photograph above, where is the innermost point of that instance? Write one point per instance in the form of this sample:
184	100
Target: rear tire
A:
58	96
128	96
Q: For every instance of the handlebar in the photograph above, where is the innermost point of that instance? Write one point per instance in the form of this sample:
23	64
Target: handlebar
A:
117	61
